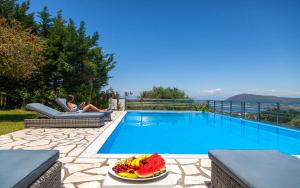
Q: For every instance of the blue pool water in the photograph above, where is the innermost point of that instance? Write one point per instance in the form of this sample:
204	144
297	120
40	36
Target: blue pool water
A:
195	133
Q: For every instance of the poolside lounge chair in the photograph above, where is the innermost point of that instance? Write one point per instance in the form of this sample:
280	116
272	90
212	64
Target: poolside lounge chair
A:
254	168
63	103
30	168
63	119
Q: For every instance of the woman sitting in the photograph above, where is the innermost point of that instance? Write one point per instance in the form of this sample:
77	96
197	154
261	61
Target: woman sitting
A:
82	107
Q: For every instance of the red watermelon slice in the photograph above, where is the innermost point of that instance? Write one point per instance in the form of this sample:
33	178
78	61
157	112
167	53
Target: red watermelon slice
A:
152	166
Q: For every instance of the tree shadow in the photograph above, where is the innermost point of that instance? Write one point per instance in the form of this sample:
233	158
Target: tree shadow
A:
16	117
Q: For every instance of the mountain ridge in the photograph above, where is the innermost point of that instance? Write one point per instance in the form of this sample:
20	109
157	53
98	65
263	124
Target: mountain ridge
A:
262	98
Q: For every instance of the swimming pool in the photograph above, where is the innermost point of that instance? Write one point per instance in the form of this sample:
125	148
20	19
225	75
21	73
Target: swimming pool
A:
195	133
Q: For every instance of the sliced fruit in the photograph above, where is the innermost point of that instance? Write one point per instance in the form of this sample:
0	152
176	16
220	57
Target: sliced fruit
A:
127	175
151	166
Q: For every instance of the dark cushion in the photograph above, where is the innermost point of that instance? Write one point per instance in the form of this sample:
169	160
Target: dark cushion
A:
259	168
63	103
20	168
43	109
76	115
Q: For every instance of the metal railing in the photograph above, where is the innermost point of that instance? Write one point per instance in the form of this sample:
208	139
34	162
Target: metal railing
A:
160	104
276	113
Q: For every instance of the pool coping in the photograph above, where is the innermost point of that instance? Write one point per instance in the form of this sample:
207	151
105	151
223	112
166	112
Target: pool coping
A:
92	150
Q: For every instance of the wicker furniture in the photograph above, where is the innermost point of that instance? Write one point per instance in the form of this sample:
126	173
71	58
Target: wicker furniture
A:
64	123
30	168
63	104
63	120
253	168
50	179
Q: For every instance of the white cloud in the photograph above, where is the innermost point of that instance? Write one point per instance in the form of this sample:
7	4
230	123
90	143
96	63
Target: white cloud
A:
213	91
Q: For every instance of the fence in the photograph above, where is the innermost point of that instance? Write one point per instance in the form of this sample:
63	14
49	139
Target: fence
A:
277	113
159	104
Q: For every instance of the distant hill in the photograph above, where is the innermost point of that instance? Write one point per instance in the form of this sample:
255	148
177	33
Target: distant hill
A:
262	98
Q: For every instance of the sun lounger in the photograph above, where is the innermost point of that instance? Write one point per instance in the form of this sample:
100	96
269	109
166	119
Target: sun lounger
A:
63	103
30	168
254	168
63	119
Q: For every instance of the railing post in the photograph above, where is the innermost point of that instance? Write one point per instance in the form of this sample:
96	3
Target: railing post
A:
208	104
243	109
142	104
221	107
230	107
277	113
214	106
258	111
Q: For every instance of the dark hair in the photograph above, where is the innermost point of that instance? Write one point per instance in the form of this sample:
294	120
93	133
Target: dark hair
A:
70	98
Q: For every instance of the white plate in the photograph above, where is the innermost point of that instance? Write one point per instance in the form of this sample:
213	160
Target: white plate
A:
111	172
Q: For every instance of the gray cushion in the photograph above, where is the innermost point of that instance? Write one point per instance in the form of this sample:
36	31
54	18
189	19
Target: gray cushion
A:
43	109
259	168
63	103
76	115
20	168
109	111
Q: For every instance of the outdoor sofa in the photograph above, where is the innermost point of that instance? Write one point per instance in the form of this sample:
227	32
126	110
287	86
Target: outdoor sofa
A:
63	103
254	168
30	168
58	119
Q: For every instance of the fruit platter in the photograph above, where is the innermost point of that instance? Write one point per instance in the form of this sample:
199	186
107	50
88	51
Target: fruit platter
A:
140	168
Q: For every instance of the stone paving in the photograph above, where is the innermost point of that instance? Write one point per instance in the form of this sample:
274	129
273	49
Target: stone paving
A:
80	172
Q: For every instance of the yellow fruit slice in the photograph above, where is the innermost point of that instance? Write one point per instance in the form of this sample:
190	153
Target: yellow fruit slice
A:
127	175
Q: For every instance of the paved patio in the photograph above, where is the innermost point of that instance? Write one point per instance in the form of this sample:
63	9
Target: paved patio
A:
90	172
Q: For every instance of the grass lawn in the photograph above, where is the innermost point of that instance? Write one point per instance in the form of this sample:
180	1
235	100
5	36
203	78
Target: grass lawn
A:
13	120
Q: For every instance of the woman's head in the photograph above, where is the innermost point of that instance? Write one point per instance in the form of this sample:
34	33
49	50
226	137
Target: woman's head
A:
70	98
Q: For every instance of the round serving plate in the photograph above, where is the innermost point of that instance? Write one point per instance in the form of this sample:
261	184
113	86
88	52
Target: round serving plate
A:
111	172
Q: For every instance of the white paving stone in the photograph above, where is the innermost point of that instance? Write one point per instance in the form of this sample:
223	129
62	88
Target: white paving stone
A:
83	177
38	143
191	180
173	168
66	159
174	178
79	167
65	149
205	163
89	160
190	169
170	161
75	152
207	172
92	184
101	170
68	185
187	161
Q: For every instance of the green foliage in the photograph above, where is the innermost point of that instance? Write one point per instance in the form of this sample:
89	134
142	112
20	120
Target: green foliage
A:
72	62
19	51
13	120
285	116
295	122
200	107
164	93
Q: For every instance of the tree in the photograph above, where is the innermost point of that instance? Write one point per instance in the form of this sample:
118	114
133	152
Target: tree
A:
164	93
20	51
12	11
73	61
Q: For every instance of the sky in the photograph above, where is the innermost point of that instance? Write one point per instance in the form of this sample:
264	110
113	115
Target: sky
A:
211	49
